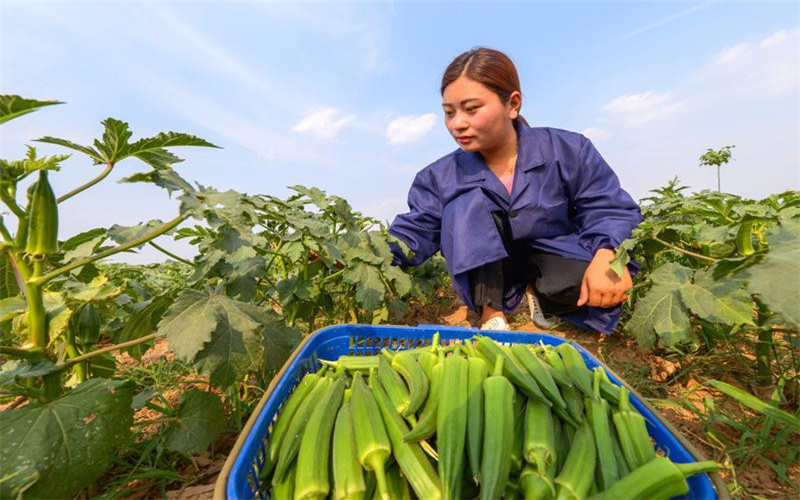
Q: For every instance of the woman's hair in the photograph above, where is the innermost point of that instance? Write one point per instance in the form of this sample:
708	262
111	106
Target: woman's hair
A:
489	67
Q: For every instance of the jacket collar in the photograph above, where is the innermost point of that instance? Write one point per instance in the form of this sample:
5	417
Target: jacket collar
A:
529	155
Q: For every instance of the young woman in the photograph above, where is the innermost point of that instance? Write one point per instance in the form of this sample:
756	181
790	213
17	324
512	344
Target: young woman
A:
518	208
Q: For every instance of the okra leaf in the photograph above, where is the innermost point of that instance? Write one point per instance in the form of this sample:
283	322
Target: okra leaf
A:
164	177
97	290
58	314
55	449
144	321
8	279
660	315
88	151
11	307
16	369
225	338
151	150
114	145
199	419
775	277
14	106
124	234
369	285
722	301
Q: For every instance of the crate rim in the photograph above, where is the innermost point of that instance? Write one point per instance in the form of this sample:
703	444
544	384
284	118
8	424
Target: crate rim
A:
221	485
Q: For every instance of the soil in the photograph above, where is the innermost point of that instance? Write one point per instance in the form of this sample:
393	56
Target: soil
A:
652	374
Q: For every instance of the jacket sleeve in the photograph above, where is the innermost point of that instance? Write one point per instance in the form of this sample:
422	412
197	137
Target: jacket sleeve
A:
419	228
604	213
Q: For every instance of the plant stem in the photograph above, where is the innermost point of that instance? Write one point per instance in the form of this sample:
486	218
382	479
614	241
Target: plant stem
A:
37	324
170	254
21	353
12	204
763	346
115	347
4	231
679	249
72	350
121	248
103	175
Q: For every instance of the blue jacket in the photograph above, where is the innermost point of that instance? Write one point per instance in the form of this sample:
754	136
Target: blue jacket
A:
565	200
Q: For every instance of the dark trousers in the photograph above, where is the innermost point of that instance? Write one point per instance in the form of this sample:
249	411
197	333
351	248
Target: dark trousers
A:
556	280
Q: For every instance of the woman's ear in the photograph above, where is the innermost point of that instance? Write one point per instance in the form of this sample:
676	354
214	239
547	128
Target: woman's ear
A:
514	104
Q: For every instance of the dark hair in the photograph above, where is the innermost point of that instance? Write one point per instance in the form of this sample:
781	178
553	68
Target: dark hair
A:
489	67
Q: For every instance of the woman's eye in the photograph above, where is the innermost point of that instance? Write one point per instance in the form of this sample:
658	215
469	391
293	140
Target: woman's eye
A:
471	109
449	114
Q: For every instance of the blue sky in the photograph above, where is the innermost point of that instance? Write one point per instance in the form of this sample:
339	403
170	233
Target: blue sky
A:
344	96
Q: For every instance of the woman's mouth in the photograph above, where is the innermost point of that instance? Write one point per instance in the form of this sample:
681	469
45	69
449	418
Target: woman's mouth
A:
464	139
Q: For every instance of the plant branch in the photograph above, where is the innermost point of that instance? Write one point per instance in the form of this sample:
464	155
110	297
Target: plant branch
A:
4	231
681	250
121	248
20	353
12	204
114	347
171	255
103	175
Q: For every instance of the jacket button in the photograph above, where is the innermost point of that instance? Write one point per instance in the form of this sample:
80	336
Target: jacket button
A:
512	214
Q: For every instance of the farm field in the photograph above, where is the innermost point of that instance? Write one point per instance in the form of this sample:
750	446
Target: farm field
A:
132	381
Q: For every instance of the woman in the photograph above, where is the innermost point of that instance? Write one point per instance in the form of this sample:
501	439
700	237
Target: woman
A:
518	208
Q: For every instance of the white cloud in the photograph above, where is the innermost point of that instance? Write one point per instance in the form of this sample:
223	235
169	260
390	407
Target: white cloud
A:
324	124
407	129
638	109
775	38
596	134
732	53
666	20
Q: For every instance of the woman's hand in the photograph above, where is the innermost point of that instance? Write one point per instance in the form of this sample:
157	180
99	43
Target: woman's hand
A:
601	287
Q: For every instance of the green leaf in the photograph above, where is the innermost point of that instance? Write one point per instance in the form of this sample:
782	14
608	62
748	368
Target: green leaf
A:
774	279
54	450
11	307
369	286
401	281
756	404
16	369
88	151
143	322
660	315
317	196
125	234
114	146
723	301
165	178
98	290
224	338
199	419
151	150
81	239
671	273
14	106
58	314
8	278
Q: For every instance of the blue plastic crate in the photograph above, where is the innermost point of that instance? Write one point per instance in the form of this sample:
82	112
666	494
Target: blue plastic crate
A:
240	477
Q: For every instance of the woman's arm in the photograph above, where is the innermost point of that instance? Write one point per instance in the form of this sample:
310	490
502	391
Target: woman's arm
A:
605	215
420	227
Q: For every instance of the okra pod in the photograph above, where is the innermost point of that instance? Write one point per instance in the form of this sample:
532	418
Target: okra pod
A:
394	386
285	417
409	456
511	369
348	477
398	487
632	431
415	378
498	433
598	417
477	373
536	486
576	368
284	489
658	479
577	476
294	433
540	439
451	424
426	425
373	446
540	374
313	458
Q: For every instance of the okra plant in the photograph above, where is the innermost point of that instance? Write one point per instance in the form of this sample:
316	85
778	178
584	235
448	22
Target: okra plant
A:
67	414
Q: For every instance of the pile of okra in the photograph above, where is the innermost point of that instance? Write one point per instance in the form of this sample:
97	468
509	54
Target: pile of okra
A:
476	419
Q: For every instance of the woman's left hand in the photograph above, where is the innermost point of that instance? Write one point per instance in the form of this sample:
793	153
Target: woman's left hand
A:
601	287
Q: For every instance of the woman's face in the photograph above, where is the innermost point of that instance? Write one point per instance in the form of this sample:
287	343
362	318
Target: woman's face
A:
475	116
